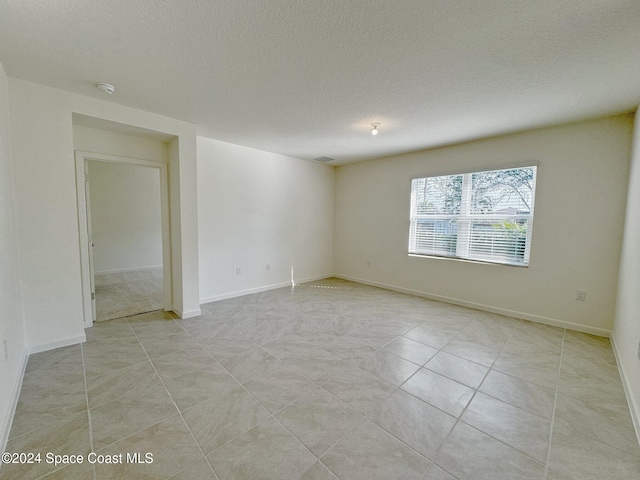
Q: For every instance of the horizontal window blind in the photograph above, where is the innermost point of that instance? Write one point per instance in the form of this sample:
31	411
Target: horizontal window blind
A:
484	216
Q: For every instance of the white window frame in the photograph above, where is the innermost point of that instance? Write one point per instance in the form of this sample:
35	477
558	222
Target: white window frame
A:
465	219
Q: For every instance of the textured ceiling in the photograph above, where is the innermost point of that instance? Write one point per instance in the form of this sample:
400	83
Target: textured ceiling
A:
306	78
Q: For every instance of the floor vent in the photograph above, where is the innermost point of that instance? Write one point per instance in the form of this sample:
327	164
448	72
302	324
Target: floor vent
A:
324	286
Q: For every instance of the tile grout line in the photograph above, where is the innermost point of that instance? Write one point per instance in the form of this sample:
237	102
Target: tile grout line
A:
555	403
364	416
86	394
476	390
174	404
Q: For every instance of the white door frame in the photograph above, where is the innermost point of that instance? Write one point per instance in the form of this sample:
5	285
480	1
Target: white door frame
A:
85	263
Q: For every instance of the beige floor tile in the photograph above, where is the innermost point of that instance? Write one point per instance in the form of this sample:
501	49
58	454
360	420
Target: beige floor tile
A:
316	363
249	365
603	419
198	471
319	336
164	449
370	453
433	336
178	363
411	350
418	424
108	361
576	456
458	369
77	471
206	329
267	451
376	337
469	454
436	473
592	436
265	332
525	395
388	367
278	388
349	349
41	411
525	361
475	352
129	414
589	348
539	335
67	437
220	419
600	381
65	358
199	385
319	420
441	392
489	334
318	472
289	347
522	430
157	346
106	347
357	388
227	346
125	381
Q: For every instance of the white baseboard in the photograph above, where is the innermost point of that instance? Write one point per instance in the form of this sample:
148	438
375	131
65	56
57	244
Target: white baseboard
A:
634	403
264	288
5	429
187	313
65	342
132	269
487	308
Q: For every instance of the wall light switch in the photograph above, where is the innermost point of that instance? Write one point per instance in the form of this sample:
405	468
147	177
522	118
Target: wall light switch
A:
581	295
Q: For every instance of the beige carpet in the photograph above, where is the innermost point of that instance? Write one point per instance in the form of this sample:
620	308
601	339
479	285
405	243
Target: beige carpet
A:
128	293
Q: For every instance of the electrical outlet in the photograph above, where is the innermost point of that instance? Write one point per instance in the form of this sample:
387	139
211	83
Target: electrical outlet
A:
368	263
268	267
238	271
581	295
6	350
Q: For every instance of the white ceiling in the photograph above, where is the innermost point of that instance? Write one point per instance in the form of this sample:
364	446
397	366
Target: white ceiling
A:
306	78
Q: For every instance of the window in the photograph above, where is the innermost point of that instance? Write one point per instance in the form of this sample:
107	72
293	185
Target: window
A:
484	216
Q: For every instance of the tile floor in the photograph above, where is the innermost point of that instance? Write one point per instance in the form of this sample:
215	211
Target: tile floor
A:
333	381
128	293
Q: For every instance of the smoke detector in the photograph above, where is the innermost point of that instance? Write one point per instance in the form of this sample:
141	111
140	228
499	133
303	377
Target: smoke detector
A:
106	87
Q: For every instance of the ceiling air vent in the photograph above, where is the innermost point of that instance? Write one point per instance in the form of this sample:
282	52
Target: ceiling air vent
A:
324	159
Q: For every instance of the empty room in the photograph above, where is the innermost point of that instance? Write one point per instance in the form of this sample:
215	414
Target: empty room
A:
320	240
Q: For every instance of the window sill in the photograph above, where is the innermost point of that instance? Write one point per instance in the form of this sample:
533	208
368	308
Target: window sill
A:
467	260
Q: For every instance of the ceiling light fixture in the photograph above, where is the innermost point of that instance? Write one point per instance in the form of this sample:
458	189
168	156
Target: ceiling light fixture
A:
106	87
374	127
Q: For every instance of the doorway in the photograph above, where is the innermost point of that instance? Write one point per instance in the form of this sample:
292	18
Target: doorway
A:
124	225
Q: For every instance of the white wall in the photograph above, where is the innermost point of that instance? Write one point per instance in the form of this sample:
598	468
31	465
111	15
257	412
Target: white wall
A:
99	140
42	136
125	216
577	233
125	199
11	312
626	327
257	208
